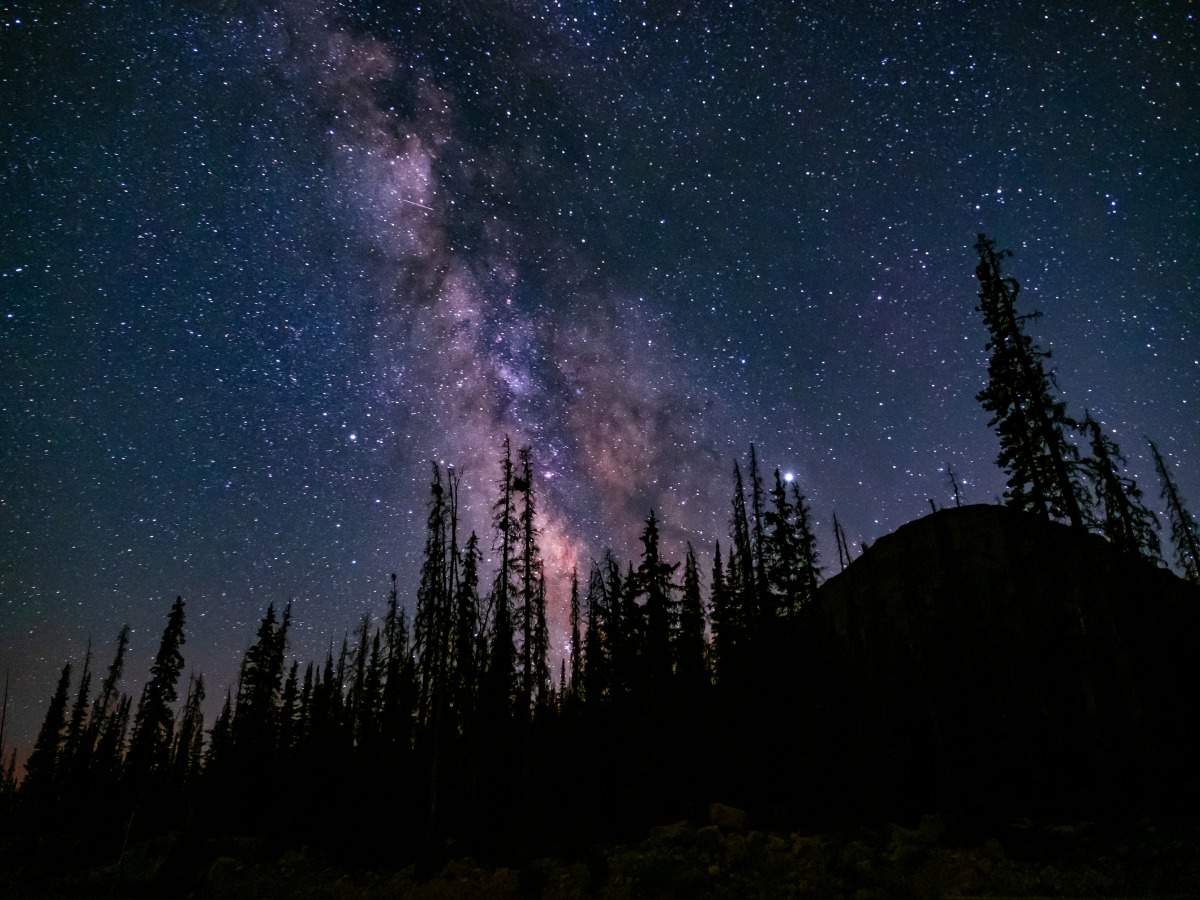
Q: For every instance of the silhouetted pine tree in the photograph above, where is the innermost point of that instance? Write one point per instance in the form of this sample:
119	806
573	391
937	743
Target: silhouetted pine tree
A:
187	753
289	709
220	740
429	633
501	670
806	548
689	645
740	575
4	719
369	703
1030	423
762	613
42	767
541	645
1185	533
783	557
256	712
466	634
154	721
530	568
653	582
398	690
102	706
109	755
723	629
8	775
572	688
595	659
73	746
1124	518
304	708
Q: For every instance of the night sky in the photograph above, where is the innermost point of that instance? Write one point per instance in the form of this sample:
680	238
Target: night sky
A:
261	262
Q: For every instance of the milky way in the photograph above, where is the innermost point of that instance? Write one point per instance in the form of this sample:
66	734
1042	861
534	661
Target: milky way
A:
262	262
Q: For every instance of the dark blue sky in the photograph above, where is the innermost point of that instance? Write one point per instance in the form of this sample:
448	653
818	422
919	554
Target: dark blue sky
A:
260	262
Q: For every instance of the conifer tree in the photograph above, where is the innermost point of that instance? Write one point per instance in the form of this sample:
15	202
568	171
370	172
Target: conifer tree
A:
572	688
189	742
73	750
595	662
41	769
1125	520
4	718
304	708
1185	533
109	754
429	633
1030	423
763	612
724	630
466	630
259	684
220	743
396	712
653	581
806	548
501	672
356	701
743	590
288	708
154	721
783	558
689	649
368	713
530	569
8	779
102	705
541	643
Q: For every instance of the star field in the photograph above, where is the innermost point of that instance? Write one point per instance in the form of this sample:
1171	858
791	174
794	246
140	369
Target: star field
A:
261	262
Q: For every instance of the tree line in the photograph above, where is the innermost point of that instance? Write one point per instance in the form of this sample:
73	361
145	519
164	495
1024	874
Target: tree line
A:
453	732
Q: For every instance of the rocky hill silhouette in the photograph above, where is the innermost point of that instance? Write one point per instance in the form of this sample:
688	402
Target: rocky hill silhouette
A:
983	661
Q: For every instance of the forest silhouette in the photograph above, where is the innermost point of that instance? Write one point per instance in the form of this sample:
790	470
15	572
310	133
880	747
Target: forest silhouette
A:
1031	658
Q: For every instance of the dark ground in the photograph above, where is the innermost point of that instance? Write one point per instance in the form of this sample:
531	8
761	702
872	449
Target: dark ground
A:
722	858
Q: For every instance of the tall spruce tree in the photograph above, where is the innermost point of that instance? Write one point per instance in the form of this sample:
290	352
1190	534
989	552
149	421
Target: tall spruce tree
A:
595	660
73	747
541	645
186	754
429	632
466	631
501	670
763	611
154	722
723	629
572	687
42	767
256	713
102	706
689	645
1123	517
783	558
743	590
653	582
809	556
530	569
1185	532
1030	423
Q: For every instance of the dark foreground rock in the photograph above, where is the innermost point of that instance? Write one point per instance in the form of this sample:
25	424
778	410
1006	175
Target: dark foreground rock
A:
710	861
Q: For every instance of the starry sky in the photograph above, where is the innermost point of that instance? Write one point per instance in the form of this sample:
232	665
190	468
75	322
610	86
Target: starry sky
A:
261	261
